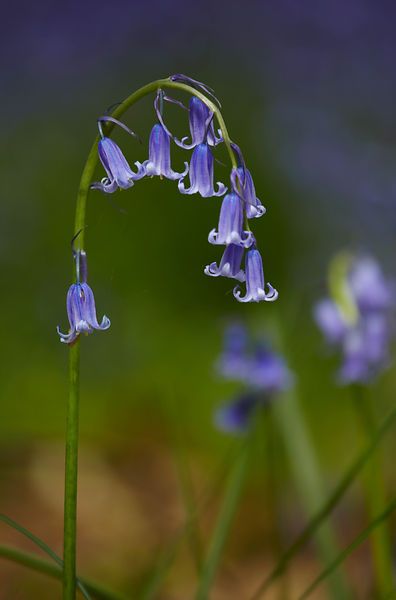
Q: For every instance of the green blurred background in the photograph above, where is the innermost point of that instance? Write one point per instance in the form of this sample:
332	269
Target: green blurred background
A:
308	93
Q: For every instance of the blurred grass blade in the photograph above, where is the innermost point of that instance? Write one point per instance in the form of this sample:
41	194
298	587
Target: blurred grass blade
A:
349	549
223	524
43	546
152	586
170	415
329	505
375	493
307	475
45	567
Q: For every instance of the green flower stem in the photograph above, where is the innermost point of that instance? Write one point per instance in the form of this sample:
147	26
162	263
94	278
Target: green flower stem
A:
159	572
375	496
306	471
223	525
342	487
372	527
46	567
70	503
71	465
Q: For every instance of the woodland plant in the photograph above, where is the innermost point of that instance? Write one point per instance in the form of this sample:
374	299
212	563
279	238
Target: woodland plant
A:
239	205
357	319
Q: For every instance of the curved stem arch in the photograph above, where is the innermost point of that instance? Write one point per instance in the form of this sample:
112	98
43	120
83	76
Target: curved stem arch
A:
72	421
119	111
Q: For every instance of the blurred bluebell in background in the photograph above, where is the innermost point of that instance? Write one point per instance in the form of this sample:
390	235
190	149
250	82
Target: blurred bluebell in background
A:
262	373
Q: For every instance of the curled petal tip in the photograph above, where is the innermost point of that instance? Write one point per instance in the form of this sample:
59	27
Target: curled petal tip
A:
255	212
221	189
249	240
105	324
212	236
272	293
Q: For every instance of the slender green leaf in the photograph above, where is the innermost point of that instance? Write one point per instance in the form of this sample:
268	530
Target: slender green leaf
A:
48	568
363	535
223	524
159	572
328	506
43	546
308	478
375	492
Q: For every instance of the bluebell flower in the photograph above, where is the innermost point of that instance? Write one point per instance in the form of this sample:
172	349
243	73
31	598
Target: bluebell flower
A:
255	286
234	362
365	350
201	174
201	126
235	417
370	289
80	304
242	184
159	161
268	371
119	173
263	373
231	223
230	264
363	335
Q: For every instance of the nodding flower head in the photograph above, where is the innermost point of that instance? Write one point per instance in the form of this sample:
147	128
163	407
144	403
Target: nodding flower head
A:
363	334
230	264
255	286
242	184
201	174
230	224
159	162
119	173
201	126
235	417
80	304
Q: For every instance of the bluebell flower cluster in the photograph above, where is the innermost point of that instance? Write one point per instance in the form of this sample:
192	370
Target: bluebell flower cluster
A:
359	320
198	177
262	372
80	305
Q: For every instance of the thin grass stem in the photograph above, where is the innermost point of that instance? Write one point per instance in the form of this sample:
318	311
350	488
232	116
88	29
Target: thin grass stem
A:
371	528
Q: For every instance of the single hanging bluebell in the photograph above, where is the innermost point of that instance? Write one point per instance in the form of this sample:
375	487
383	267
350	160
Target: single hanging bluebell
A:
201	126
255	285
119	173
231	223
80	304
201	174
242	184
230	264
159	161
